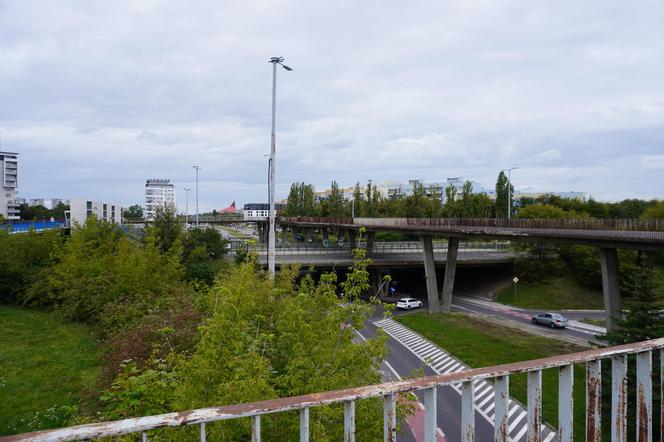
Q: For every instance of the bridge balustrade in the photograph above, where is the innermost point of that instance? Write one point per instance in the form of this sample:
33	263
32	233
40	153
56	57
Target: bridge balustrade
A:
148	426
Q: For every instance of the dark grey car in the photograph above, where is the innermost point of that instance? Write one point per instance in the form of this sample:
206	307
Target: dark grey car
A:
553	320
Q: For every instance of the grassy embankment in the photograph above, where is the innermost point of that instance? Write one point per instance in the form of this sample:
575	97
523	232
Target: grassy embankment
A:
46	367
480	344
558	293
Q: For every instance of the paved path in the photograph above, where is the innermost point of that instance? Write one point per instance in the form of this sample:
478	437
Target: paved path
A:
441	362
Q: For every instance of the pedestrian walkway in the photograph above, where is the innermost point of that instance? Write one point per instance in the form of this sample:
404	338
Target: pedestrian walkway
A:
441	362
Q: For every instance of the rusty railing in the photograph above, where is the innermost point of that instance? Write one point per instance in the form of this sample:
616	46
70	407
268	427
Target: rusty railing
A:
592	359
618	224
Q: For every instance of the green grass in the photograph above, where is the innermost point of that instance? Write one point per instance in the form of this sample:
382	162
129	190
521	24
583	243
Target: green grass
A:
557	293
599	322
479	344
45	368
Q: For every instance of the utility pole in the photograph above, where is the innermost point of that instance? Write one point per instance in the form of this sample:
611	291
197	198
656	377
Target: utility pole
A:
197	169
509	192
272	237
186	207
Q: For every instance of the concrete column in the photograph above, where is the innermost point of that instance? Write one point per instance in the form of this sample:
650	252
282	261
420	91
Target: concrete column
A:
307	235
450	272
375	278
430	272
371	238
608	258
325	235
284	234
341	236
352	239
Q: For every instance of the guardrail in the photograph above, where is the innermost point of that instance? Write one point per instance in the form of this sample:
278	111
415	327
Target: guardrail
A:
428	385
641	225
378	247
26	226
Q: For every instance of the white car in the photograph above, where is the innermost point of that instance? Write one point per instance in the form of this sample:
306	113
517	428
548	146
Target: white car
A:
408	303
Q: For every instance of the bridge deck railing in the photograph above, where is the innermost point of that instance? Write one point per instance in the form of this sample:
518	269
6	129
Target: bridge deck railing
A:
621	224
378	247
389	392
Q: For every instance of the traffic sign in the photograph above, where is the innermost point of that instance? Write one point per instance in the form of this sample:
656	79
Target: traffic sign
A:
515	280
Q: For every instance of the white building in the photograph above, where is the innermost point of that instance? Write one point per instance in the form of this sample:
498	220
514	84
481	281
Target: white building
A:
81	209
158	193
259	211
9	207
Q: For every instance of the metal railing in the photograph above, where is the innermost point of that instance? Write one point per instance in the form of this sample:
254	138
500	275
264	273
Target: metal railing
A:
428	385
378	247
619	224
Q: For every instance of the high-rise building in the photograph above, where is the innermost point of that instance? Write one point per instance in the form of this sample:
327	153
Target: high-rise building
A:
158	193
9	208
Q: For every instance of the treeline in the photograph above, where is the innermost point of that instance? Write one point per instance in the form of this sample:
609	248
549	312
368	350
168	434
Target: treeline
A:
41	213
172	340
368	202
425	202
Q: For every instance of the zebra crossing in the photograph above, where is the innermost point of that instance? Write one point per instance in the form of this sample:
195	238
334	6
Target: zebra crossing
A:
441	362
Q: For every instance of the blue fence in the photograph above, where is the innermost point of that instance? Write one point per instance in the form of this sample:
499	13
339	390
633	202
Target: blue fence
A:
25	226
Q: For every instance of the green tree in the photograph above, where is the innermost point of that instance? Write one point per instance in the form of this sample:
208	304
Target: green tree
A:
34	213
547	211
166	229
134	212
656	211
502	191
264	339
23	257
357	200
203	251
335	202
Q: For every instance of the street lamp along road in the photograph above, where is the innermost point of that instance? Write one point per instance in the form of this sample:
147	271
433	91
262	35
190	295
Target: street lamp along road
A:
509	191
271	241
186	208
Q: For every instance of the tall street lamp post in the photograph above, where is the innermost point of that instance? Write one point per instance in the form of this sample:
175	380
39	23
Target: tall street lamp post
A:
186	207
197	169
509	192
271	179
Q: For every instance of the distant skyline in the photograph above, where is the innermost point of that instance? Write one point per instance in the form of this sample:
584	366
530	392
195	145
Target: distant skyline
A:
97	96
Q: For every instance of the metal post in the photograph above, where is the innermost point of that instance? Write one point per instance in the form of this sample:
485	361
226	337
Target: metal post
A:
304	425
509	195
565	403
186	207
197	169
271	235
535	406
644	396
502	399
594	401
619	398
430	415
389	418
467	412
349	421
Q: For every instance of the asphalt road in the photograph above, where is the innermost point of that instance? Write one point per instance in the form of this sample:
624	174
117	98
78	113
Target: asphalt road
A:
402	361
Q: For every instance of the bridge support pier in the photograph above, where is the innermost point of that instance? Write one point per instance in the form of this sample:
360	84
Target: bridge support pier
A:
326	238
307	236
450	273
610	285
371	238
341	236
430	272
352	239
284	234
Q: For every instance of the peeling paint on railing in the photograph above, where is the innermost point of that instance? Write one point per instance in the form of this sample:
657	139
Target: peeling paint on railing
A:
388	391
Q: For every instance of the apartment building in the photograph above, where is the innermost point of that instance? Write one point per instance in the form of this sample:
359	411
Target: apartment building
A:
82	208
9	207
158	193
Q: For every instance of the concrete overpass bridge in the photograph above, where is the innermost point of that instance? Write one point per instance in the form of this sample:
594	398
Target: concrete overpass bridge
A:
607	235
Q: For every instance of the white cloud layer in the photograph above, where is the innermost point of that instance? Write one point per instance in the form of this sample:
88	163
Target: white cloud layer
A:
98	96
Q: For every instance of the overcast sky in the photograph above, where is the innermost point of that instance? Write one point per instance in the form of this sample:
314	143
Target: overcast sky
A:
97	96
